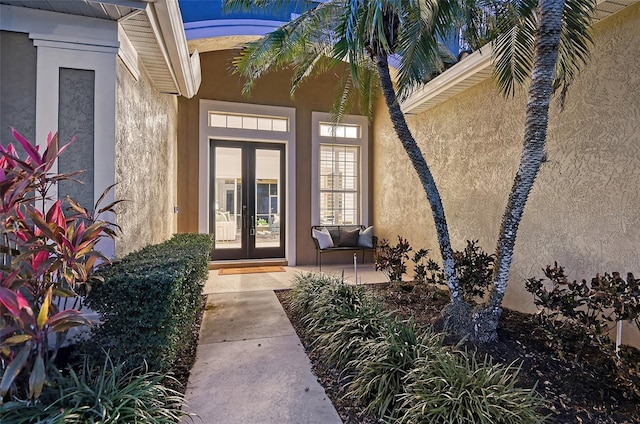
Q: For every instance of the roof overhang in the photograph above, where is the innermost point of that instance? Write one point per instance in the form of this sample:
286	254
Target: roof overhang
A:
476	68
157	36
150	31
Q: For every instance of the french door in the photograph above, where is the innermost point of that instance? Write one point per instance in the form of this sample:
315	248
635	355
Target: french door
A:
247	192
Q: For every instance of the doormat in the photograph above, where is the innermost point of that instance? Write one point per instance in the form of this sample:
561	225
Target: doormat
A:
250	270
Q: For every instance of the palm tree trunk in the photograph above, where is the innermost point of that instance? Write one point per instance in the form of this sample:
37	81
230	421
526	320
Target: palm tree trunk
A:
424	173
485	320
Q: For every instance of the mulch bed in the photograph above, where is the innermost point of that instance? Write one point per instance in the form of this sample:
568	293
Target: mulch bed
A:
578	391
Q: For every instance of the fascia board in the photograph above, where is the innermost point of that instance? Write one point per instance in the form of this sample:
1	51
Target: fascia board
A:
451	82
59	26
166	21
473	64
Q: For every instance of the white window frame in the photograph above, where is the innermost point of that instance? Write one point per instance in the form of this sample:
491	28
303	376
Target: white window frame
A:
362	142
288	138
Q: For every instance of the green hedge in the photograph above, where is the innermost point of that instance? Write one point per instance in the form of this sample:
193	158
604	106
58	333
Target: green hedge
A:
149	302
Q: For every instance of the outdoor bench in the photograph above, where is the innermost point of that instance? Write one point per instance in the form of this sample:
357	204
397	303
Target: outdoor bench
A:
342	238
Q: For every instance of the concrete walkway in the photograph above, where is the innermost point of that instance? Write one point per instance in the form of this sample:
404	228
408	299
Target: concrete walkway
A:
251	367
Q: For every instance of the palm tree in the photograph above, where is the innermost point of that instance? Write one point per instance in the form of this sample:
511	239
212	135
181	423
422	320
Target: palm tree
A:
544	40
366	34
548	43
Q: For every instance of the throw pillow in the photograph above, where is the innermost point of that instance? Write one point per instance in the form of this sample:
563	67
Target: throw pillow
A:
366	237
323	237
349	238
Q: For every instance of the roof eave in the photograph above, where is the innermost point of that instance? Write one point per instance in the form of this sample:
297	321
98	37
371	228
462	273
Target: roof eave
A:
169	31
476	68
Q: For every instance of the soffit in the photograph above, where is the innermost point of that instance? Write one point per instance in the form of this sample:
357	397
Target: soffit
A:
476	68
154	28
111	10
228	42
139	30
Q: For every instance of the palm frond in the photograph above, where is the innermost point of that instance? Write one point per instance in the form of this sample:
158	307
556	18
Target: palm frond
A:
575	42
345	97
421	53
298	44
268	5
362	93
513	48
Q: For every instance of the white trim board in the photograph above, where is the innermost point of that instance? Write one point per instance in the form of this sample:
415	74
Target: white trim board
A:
362	142
288	138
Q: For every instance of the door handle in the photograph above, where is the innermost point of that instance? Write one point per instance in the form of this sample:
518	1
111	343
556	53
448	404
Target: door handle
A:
252	225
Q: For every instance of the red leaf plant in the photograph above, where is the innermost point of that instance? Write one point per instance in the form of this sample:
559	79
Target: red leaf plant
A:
46	258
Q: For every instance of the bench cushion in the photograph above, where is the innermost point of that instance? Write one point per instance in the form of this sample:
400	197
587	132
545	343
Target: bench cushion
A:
349	238
365	238
324	238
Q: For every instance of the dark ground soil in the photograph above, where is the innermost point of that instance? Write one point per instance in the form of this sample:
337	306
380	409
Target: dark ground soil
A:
578	391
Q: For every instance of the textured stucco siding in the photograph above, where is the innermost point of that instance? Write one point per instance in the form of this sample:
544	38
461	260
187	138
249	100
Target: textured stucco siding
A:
18	65
146	146
583	210
76	119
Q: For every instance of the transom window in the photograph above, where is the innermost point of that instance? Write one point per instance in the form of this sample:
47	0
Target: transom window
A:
248	122
339	184
339	131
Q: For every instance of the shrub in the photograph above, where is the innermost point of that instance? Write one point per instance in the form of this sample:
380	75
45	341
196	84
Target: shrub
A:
339	316
102	394
344	339
385	360
47	255
391	260
474	268
400	375
305	291
452	387
335	302
149	302
576	315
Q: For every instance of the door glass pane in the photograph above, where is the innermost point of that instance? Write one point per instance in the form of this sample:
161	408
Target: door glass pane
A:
227	225
268	199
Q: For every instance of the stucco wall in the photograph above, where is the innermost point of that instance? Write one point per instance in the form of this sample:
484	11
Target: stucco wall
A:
146	146
583	210
18	59
273	89
76	119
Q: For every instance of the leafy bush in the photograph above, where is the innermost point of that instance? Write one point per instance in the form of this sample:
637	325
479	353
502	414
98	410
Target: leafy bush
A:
380	369
391	260
452	387
334	303
589	308
45	258
474	268
424	266
576	315
149	302
306	289
102	394
385	361
344	339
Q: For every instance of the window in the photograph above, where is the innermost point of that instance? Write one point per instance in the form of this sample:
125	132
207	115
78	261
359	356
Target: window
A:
339	184
339	171
248	122
339	131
